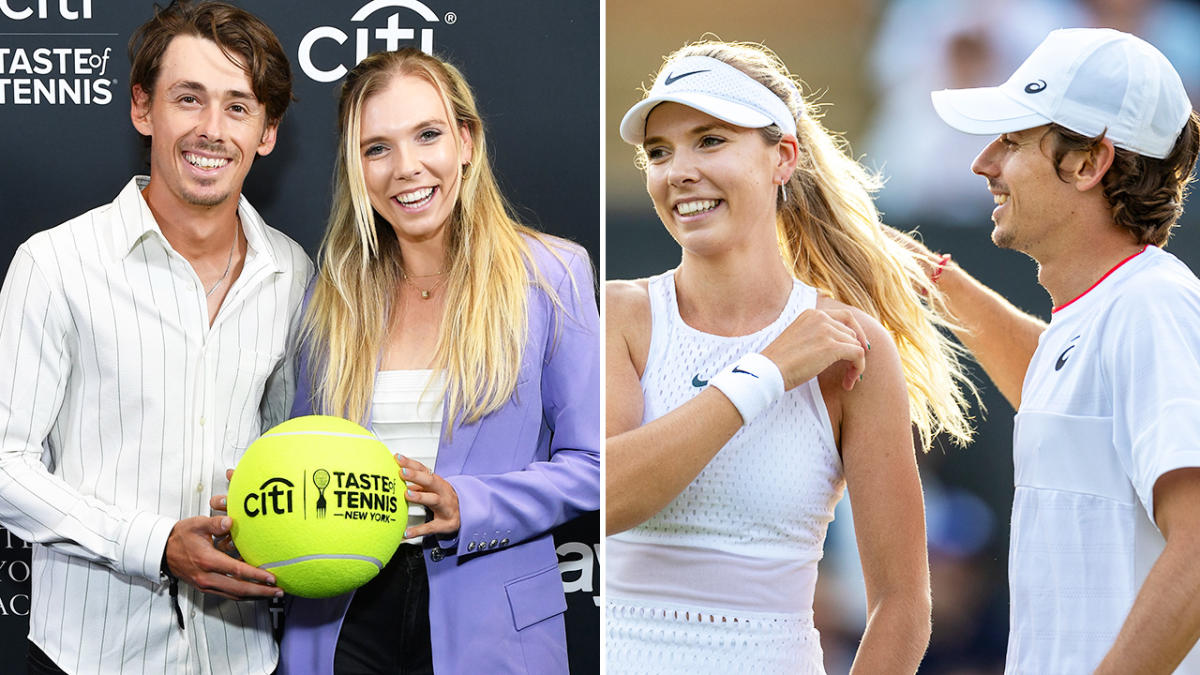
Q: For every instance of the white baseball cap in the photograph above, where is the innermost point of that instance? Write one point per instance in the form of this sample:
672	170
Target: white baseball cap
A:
715	88
1089	80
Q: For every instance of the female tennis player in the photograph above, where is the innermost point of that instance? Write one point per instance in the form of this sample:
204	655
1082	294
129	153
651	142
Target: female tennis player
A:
784	359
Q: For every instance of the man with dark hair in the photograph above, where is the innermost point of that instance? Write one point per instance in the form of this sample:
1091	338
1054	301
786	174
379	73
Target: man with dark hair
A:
1096	148
149	338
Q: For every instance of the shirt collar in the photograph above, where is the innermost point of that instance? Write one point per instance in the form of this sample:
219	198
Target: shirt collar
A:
137	222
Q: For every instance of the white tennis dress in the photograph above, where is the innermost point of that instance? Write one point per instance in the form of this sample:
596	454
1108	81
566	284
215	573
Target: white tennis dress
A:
722	579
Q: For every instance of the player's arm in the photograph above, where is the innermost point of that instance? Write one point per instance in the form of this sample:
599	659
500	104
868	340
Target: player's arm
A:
1153	375
1164	622
1001	337
36	344
648	465
36	355
889	512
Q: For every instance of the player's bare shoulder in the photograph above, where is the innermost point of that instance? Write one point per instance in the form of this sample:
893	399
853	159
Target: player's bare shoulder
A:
883	362
627	318
870	325
627	302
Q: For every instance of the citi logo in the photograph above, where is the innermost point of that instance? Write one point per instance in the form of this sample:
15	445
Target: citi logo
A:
398	28
274	496
19	10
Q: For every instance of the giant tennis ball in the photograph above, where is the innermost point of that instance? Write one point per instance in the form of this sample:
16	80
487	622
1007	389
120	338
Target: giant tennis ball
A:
319	503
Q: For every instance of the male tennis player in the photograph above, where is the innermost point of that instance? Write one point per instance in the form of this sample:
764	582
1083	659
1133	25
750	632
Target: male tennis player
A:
1097	140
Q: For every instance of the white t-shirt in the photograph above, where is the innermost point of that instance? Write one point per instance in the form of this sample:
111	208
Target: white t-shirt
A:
1110	403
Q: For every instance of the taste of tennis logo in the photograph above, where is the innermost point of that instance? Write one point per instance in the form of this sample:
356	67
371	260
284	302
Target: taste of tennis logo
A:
340	494
324	54
43	64
356	496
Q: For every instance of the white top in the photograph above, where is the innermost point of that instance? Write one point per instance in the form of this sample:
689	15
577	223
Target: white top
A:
755	518
120	410
1111	401
406	414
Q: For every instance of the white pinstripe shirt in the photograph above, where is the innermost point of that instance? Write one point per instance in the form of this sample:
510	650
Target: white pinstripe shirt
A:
120	409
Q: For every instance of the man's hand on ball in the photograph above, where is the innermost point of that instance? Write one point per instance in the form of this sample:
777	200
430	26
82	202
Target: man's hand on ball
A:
434	493
219	507
193	558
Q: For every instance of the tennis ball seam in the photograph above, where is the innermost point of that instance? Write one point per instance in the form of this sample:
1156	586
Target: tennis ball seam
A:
328	556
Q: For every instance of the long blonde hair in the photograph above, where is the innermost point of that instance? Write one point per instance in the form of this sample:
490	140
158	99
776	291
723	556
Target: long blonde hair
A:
483	328
829	233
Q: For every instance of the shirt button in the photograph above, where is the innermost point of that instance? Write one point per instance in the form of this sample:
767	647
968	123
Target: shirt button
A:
471	546
493	544
200	487
504	541
437	554
202	420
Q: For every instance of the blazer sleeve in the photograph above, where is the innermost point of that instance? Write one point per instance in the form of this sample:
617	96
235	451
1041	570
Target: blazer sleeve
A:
532	500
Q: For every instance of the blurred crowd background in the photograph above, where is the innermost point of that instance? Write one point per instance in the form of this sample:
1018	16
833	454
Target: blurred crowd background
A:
873	63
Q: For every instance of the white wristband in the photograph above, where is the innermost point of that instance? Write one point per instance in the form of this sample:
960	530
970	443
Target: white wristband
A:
752	384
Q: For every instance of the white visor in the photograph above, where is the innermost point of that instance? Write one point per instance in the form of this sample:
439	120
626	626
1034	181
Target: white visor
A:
714	88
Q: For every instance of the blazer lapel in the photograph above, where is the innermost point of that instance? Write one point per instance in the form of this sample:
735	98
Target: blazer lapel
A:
452	452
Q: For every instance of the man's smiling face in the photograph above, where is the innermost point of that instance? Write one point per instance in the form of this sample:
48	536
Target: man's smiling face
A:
205	125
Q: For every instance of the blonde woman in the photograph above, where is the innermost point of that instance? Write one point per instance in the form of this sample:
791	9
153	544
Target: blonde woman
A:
470	344
783	359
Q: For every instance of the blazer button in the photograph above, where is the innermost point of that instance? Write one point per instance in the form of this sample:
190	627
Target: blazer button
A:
493	544
471	546
437	554
504	541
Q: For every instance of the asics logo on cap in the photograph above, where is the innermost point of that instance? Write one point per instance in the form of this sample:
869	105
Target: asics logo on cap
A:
1035	87
672	79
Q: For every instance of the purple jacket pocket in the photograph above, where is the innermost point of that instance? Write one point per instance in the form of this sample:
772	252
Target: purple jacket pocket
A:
536	597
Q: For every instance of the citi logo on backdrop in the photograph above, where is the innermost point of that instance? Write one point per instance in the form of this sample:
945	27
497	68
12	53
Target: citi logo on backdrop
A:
19	10
409	23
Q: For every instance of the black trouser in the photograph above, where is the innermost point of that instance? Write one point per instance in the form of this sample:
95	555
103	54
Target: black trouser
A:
37	663
387	626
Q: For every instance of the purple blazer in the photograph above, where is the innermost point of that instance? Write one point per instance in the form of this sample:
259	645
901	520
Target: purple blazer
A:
496	599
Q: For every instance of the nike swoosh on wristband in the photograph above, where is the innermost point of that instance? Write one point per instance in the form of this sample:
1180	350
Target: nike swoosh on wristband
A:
672	79
745	372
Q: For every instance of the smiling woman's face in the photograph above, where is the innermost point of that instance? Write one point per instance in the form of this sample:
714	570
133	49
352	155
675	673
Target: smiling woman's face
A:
412	156
711	182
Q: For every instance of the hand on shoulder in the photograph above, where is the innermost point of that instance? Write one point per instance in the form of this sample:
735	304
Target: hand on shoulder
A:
829	334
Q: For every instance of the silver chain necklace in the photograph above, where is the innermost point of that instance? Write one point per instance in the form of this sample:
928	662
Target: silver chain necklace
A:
228	264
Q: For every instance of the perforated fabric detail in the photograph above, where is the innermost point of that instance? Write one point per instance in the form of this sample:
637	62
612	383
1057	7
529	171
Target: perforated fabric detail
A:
652	639
770	492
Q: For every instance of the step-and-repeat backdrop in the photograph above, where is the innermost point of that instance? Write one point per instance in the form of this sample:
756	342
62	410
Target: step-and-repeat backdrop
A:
67	145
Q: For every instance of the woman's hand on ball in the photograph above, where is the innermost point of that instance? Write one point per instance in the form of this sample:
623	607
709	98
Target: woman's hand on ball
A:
434	493
193	559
